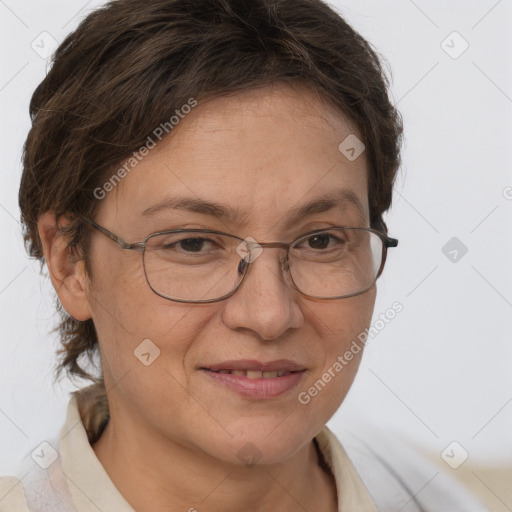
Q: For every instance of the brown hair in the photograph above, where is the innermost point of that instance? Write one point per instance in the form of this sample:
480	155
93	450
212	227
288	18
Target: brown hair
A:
127	68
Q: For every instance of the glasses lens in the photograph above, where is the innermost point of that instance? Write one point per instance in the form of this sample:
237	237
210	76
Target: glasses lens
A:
336	263
199	266
193	266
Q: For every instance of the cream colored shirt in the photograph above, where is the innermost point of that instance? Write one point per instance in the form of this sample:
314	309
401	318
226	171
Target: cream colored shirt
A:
76	480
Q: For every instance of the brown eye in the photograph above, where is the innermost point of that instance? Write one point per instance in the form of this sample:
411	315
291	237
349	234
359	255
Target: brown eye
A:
319	241
322	241
192	244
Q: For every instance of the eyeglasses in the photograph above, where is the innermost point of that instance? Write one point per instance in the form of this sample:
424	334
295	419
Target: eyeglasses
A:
203	265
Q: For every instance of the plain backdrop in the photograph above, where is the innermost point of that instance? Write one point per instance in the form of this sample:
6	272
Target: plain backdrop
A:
440	371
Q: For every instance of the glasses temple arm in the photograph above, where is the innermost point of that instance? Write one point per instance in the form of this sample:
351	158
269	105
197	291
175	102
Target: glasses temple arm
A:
138	246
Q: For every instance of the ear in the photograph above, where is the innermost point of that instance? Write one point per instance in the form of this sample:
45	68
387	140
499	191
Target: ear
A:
68	276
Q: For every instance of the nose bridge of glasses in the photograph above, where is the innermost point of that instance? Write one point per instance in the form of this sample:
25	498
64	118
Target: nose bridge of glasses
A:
278	245
253	250
250	249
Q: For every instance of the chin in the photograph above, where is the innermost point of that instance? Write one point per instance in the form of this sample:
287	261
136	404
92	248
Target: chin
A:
260	441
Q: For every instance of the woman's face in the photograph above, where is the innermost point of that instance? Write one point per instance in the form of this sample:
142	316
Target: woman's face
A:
262	154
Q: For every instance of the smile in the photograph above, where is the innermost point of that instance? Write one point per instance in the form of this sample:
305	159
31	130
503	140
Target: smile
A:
255	374
256	380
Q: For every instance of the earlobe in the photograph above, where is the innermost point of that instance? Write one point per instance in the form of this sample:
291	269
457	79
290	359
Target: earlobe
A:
68	275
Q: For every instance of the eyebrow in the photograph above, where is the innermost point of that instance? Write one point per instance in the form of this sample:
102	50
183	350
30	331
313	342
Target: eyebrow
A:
340	198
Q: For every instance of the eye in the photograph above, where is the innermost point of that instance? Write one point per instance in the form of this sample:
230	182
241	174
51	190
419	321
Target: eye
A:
321	241
189	245
192	244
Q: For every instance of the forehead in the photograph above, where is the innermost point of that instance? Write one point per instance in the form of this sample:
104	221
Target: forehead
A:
261	152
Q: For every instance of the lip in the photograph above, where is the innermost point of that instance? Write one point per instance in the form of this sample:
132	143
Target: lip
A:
257	389
251	364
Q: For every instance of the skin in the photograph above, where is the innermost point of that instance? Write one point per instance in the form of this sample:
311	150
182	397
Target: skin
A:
173	436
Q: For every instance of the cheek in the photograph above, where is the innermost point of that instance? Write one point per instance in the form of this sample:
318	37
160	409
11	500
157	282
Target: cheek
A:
338	325
340	322
127	313
121	298
124	302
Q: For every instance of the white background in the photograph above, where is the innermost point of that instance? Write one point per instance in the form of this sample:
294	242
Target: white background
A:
442	369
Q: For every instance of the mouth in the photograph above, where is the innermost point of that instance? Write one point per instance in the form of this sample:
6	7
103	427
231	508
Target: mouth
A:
253	369
253	374
254	379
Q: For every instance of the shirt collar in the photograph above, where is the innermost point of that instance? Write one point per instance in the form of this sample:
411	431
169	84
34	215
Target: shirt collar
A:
351	491
90	486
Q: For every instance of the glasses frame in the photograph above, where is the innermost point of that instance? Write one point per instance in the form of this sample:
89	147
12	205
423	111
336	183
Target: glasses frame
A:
388	242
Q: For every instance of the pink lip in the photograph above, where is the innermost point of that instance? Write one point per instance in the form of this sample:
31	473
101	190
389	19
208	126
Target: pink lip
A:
256	388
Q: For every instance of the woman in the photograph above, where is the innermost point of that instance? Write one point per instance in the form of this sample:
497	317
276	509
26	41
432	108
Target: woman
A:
205	180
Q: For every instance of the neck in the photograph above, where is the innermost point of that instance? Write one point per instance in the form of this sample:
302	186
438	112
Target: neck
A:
156	474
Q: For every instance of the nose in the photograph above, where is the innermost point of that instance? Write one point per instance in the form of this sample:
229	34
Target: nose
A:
266	302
